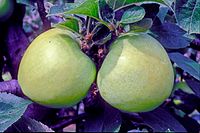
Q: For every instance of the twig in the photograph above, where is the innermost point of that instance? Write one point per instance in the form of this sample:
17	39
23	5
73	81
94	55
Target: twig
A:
68	122
43	14
11	86
88	25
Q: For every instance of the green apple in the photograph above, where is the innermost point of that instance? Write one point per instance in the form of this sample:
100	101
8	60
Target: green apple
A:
6	9
54	71
136	75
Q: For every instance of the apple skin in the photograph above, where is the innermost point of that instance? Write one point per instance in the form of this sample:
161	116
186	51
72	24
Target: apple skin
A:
6	9
136	75
54	72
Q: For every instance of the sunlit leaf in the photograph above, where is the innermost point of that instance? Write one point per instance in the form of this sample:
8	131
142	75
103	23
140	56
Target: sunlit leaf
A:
117	4
132	15
188	15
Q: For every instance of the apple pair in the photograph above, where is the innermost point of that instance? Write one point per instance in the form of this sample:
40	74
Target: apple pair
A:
136	75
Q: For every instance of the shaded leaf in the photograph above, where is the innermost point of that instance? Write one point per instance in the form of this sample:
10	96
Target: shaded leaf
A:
194	85
132	15
107	121
101	34
117	4
162	13
188	15
170	36
189	123
105	12
151	10
142	26
104	40
161	121
187	102
188	65
11	109
26	124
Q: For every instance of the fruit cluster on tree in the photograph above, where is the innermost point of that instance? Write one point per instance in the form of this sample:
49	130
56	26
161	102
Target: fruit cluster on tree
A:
99	65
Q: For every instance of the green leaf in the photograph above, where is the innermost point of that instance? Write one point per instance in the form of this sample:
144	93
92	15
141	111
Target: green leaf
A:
188	65
184	87
61	9
88	8
26	124
132	15
188	15
57	9
117	4
71	24
11	109
142	26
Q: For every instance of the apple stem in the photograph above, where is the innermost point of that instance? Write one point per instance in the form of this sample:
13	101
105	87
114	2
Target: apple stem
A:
88	25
